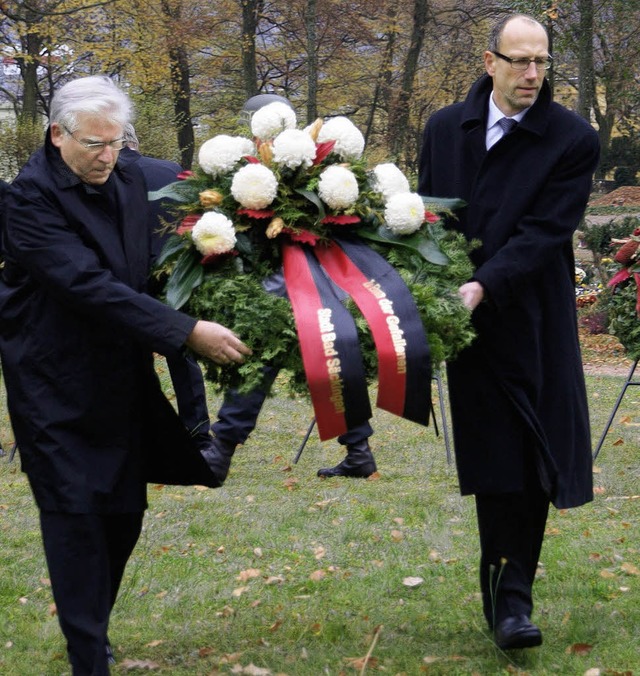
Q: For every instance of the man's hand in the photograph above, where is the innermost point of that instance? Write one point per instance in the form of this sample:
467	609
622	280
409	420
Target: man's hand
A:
472	294
216	342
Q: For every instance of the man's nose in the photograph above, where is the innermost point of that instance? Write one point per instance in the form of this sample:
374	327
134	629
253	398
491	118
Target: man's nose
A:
108	155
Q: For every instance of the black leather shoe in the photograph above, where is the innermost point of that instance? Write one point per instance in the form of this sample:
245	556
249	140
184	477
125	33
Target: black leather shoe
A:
517	631
359	463
217	454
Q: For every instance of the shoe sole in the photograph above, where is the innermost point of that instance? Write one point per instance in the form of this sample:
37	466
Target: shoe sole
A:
525	641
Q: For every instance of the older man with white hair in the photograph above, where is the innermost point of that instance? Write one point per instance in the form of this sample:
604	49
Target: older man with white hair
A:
77	337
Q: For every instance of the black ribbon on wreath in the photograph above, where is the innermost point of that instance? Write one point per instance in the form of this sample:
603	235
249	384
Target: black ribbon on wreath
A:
328	339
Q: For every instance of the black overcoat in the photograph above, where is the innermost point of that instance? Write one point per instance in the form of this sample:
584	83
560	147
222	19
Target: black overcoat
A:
77	337
520	385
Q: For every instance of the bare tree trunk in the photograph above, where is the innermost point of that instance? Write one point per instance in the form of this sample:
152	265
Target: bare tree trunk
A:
312	61
586	88
251	10
383	84
29	72
399	113
180	86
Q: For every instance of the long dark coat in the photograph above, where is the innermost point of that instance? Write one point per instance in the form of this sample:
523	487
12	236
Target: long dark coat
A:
77	336
520	386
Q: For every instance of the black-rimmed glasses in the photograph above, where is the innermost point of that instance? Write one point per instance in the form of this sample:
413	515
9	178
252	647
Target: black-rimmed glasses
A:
98	146
522	63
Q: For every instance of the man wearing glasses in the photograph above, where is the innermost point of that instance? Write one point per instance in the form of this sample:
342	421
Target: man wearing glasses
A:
77	337
524	166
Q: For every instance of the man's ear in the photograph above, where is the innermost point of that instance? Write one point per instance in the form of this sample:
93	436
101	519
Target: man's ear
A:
57	132
490	63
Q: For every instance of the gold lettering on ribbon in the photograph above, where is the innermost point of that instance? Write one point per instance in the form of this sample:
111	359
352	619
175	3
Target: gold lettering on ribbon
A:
334	369
393	323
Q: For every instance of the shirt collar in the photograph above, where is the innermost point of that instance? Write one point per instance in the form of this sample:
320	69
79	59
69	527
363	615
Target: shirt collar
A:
496	114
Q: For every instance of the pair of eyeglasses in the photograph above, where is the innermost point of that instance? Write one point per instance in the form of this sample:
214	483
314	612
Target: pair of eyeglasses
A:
98	146
522	63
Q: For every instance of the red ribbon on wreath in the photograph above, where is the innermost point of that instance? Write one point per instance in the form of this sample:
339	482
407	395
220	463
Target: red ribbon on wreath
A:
318	279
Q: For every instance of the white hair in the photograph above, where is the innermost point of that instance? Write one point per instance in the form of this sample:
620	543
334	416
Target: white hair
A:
95	95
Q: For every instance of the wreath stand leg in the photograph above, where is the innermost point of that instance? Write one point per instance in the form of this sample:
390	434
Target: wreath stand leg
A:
443	415
304	441
12	453
627	384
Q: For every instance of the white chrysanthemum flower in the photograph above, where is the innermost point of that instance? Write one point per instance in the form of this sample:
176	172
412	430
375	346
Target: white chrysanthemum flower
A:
404	213
270	120
294	148
221	153
389	180
213	234
349	139
338	187
254	186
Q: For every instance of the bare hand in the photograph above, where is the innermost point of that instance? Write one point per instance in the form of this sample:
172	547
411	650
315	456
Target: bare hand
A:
216	342
472	294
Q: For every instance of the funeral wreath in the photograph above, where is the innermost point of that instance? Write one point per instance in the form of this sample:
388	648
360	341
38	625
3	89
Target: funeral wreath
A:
277	235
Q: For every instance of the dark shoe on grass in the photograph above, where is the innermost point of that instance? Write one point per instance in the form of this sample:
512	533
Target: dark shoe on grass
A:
517	631
359	463
217	454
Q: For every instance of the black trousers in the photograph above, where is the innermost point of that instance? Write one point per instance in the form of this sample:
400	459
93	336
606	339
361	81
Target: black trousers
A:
86	556
511	528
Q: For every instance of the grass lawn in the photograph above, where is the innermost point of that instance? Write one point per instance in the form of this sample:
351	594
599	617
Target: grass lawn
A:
279	572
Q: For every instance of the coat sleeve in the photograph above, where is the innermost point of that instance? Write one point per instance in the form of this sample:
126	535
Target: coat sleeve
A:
44	249
547	225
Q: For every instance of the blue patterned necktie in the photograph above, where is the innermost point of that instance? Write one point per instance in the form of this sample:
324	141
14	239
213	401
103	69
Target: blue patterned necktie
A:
507	124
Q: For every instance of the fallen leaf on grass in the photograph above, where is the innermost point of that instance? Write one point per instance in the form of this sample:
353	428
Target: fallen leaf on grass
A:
630	569
230	658
319	552
607	574
412	581
205	652
248	574
274	579
317	575
140	664
360	663
154	644
290	483
250	670
53	611
579	649
239	591
434	556
397	535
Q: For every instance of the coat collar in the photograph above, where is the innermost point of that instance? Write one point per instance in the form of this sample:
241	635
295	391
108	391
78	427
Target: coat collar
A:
125	252
476	107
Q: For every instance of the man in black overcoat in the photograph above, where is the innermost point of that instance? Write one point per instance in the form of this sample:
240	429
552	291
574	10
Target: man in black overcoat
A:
77	337
518	398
